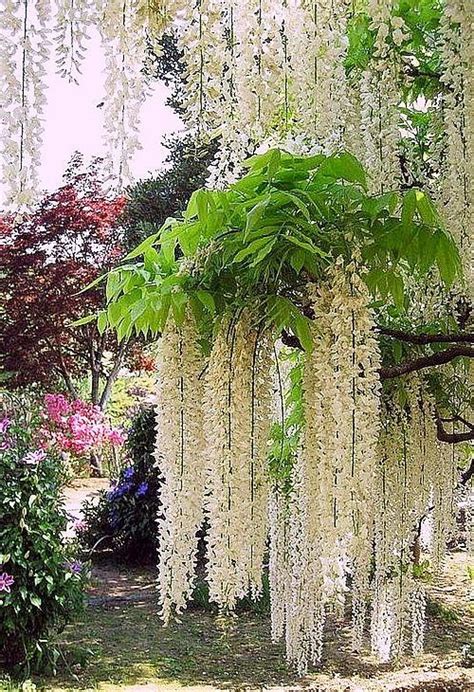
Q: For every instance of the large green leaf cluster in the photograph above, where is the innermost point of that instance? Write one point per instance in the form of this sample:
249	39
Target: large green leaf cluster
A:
258	243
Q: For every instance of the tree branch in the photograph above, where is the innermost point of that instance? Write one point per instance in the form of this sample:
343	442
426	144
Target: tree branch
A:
423	339
63	370
452	438
390	372
113	374
468	474
439	358
458	419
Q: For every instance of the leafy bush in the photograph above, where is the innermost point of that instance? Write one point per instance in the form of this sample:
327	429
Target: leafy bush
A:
41	581
124	517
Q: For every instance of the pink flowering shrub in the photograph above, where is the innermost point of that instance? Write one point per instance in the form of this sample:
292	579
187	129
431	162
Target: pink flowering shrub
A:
76	426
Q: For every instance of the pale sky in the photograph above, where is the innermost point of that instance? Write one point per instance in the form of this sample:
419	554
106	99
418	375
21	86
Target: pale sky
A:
73	121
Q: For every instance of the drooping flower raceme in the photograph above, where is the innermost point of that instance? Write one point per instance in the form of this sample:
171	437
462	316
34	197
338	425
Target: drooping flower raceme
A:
24	53
415	473
124	40
179	456
335	470
72	26
456	183
238	409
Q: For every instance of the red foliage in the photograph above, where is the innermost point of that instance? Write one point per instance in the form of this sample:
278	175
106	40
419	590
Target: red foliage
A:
47	257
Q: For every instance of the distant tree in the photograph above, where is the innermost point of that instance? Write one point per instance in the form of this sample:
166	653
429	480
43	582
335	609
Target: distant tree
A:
150	202
48	256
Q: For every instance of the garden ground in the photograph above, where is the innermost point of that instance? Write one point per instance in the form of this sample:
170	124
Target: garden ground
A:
119	644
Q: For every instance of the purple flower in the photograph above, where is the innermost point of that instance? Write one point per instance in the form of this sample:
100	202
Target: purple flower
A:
111	493
4	425
128	473
33	458
79	525
74	566
122	489
6	581
142	489
5	444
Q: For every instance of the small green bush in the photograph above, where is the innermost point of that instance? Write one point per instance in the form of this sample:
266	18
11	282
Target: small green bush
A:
41	581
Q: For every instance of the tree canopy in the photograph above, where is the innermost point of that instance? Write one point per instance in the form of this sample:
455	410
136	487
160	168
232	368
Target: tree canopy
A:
49	255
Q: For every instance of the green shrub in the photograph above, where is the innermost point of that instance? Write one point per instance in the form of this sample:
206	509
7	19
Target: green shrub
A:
123	519
41	582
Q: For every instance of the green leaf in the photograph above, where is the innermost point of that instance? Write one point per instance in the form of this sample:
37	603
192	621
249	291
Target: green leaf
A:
202	205
124	329
409	205
178	306
259	161
138	309
306	245
297	259
141	249
102	321
425	207
343	166
255	215
303	163
263	252
113	284
427	248
252	248
83	320
92	284
207	299
395	286
298	203
189	237
35	600
114	314
447	257
301	326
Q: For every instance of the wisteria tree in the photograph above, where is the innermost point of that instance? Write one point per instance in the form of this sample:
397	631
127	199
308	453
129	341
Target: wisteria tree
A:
334	265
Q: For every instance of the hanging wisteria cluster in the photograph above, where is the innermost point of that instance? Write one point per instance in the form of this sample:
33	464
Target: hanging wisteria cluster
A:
35	32
345	527
415	484
180	458
223	473
256	73
456	189
330	507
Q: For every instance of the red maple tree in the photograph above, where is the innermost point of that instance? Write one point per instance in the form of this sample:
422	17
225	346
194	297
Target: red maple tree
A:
48	256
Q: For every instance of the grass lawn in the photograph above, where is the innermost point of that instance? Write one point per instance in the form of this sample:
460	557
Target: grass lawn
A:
119	645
